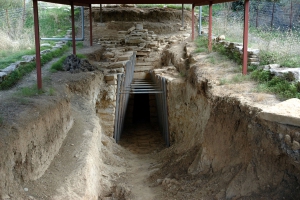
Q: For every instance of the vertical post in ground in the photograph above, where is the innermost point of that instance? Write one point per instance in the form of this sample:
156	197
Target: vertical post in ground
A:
245	43
200	19
182	18
272	19
291	16
73	28
100	13
91	26
193	22
210	27
37	44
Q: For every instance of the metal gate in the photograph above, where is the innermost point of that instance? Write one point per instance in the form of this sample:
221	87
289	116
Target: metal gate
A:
127	85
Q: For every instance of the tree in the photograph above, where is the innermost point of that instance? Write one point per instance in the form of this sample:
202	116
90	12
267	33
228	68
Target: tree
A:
7	4
237	5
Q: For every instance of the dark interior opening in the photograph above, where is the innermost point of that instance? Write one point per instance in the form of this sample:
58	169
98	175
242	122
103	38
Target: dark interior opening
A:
141	108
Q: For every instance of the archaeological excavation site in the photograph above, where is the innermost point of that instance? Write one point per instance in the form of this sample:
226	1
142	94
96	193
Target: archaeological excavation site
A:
145	117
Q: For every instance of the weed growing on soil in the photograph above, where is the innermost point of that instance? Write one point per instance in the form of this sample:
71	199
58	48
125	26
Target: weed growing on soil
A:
277	85
275	46
238	78
29	91
51	91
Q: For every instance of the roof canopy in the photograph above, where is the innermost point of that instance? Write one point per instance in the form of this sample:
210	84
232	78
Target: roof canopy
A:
88	2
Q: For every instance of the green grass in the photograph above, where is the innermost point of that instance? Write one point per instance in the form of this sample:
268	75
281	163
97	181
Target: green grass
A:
9	57
201	43
16	75
58	65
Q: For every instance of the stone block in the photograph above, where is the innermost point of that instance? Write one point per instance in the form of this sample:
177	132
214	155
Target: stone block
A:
293	74
253	60
142	75
253	51
286	112
254	63
29	58
45	51
143	68
143	64
131	29
135	40
109	54
114	65
45	45
140	53
10	68
110	77
139	26
274	66
124	57
122	32
113	82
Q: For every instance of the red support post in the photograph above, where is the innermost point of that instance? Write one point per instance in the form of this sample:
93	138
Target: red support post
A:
73	28
245	43
210	27
193	22
37	44
91	26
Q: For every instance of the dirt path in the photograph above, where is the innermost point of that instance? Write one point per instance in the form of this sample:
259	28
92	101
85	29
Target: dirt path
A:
143	142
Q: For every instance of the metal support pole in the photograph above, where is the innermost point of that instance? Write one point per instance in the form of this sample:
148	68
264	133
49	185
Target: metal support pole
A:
182	18
193	22
37	44
210	28
91	26
291	16
100	13
245	43
200	19
73	28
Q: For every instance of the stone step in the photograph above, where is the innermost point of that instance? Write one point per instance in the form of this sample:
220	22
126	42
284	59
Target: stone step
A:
142	75
143	68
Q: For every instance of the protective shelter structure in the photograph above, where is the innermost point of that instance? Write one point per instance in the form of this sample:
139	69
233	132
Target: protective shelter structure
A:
88	3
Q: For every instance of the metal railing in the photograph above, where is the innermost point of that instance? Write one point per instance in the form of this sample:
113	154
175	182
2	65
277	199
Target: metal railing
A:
127	85
162	108
124	81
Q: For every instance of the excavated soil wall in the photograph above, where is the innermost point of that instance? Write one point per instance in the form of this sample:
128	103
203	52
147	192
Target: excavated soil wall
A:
28	146
159	20
222	145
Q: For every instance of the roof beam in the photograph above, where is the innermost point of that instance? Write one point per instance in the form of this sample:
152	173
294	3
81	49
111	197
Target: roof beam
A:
87	2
